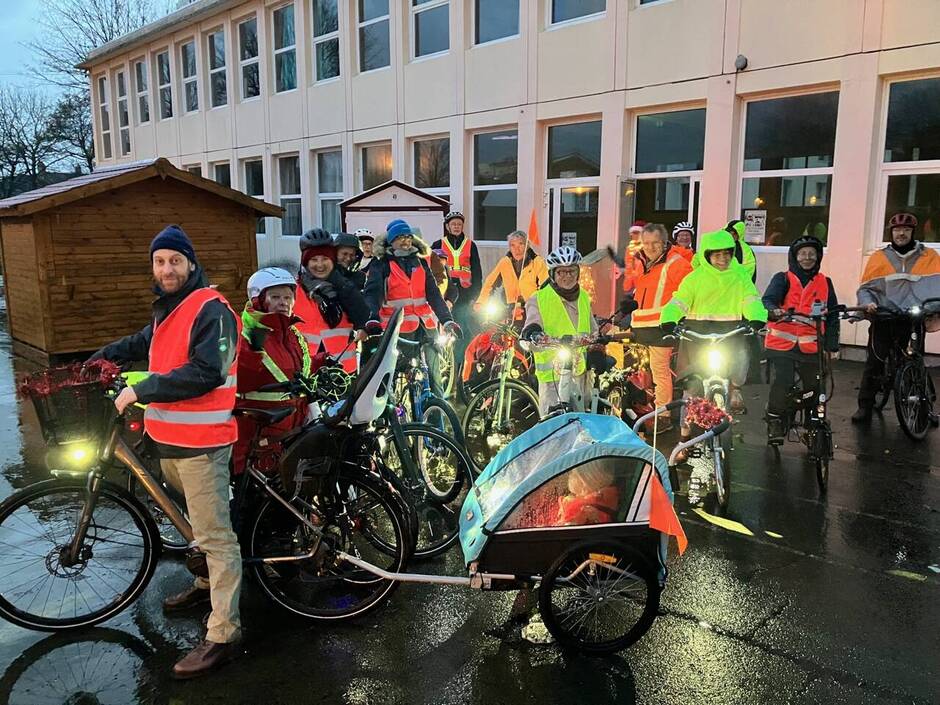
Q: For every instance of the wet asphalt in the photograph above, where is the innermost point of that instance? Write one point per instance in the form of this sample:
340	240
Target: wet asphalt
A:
804	599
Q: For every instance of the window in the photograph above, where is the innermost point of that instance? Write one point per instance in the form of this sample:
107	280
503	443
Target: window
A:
495	19
285	55
329	189
104	115
124	116
288	171
432	166
574	151
218	90
649	2
787	171
248	58
254	186
164	85
565	10
222	174
190	80
194	169
143	98
495	169
431	26
911	166
376	165
325	39
373	35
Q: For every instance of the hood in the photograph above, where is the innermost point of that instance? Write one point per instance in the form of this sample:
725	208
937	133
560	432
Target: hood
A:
738	226
380	249
803	274
715	240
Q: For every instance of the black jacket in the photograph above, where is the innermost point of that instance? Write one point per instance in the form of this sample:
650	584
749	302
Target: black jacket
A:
471	293
212	346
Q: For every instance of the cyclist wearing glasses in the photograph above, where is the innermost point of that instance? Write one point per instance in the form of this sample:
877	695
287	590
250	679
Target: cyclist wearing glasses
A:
561	307
791	345
902	274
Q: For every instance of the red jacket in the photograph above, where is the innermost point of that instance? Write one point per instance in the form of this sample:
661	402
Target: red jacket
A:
285	348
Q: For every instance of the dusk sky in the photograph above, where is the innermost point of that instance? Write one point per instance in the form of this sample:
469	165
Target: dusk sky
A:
16	27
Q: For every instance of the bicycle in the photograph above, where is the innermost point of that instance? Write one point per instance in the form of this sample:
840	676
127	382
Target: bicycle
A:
81	548
905	373
485	361
714	470
415	400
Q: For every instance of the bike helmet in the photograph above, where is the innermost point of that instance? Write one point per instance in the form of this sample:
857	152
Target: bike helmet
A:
364	234
453	215
903	220
563	256
346	240
268	277
683	225
317	237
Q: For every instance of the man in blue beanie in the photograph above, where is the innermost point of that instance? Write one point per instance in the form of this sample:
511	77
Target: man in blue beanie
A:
191	346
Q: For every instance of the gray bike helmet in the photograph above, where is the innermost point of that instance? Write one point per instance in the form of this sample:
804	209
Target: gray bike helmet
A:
317	237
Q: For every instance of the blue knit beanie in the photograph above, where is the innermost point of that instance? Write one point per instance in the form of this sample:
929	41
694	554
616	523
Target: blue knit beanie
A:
395	229
172	237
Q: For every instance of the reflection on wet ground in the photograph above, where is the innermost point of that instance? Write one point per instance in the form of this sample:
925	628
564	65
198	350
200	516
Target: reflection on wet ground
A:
797	599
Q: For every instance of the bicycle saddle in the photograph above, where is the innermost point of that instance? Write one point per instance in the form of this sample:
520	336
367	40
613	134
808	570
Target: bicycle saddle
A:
265	417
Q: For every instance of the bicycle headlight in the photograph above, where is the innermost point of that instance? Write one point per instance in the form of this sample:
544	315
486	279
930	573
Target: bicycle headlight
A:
716	360
72	459
915	310
491	309
563	354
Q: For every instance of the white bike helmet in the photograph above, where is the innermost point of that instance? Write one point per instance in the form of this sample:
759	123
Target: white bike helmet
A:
364	234
564	256
268	277
683	225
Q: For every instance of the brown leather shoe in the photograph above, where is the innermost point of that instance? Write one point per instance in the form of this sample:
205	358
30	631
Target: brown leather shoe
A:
189	598
206	657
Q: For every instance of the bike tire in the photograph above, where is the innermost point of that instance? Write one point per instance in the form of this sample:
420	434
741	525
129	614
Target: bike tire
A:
448	371
440	414
357	592
481	439
821	452
120	498
720	448
912	399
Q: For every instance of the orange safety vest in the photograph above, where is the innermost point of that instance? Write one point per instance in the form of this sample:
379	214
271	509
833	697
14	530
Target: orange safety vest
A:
205	421
784	335
408	293
459	261
316	331
655	288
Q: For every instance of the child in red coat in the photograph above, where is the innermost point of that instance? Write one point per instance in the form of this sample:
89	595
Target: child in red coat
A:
593	498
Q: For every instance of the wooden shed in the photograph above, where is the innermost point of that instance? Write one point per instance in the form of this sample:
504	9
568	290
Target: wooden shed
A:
374	208
76	254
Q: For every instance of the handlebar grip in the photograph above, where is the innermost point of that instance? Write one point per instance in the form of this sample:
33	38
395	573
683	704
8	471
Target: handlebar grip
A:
675	404
720	428
275	387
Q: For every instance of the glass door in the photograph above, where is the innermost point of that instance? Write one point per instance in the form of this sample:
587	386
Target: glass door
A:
572	217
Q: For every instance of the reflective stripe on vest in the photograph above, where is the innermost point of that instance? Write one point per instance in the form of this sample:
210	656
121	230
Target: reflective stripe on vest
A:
316	331
646	317
556	322
278	374
201	422
407	293
458	260
784	335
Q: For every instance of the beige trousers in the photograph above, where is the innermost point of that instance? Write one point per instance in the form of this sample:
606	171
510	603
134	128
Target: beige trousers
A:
662	376
204	482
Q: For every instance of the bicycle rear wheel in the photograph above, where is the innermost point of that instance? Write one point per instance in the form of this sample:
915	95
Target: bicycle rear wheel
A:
912	399
499	412
447	370
438	414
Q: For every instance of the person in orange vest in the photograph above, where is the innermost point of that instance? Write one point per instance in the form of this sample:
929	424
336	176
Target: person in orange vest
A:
400	277
661	268
191	346
631	266
683	240
791	346
463	259
271	349
332	310
520	273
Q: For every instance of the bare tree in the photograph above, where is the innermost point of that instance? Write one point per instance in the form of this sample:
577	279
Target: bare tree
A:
28	142
72	129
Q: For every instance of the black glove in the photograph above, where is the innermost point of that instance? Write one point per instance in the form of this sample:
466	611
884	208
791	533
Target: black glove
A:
531	332
324	290
756	325
627	305
668	327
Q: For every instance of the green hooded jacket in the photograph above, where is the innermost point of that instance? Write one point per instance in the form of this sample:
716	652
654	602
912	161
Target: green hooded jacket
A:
712	296
748	259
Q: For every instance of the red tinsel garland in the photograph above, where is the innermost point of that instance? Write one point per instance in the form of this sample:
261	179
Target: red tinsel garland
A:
704	414
51	380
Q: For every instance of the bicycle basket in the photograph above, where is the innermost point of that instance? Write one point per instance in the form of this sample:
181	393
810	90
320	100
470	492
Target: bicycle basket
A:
70	401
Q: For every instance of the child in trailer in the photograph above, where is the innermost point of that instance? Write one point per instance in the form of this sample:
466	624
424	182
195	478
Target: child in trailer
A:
592	498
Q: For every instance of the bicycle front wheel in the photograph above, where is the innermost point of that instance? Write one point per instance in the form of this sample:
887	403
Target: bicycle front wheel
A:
40	588
441	415
499	412
912	399
447	370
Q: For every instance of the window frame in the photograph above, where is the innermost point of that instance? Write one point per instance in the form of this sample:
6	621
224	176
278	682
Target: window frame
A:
550	25
186	80
317	39
261	227
782	173
145	93
475	22
439	191
120	77
194	169
321	196
474	188
361	153
164	86
283	50
413	12
103	86
375	20
281	195
245	63
219	70
215	174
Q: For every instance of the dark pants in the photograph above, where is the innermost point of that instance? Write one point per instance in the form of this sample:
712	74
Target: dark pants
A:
882	337
463	314
783	371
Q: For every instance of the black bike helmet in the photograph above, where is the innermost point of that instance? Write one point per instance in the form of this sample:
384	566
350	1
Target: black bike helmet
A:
346	240
317	237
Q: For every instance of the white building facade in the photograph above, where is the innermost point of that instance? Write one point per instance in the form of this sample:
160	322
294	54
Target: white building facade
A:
804	116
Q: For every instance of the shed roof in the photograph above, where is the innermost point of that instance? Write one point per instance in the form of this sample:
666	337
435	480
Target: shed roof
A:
107	178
